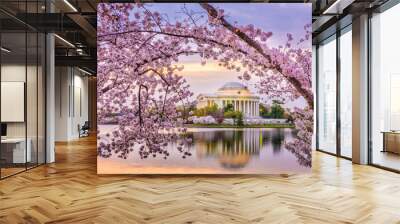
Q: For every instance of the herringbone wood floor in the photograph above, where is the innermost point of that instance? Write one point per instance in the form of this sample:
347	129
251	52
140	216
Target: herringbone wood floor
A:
70	191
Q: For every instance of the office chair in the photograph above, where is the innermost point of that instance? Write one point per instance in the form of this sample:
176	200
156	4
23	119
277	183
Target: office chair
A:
84	130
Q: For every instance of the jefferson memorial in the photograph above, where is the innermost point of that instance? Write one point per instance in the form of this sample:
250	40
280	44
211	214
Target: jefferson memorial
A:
233	93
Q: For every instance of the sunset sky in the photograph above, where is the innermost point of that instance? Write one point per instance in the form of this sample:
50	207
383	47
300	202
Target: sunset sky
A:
277	18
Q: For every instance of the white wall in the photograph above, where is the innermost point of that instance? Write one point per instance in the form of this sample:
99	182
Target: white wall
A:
80	109
17	73
33	126
62	81
71	102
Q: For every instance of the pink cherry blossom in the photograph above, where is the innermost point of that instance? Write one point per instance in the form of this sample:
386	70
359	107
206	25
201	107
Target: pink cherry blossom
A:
139	88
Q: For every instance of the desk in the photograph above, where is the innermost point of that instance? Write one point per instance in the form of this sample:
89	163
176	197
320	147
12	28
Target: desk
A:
391	141
15	148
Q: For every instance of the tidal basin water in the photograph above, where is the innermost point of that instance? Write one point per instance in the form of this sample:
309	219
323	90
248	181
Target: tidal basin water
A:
216	151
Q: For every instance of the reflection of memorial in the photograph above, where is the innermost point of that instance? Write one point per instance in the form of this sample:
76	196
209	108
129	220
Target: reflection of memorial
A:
233	148
277	140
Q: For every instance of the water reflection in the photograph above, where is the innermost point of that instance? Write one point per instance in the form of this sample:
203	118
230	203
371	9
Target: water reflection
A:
235	148
219	150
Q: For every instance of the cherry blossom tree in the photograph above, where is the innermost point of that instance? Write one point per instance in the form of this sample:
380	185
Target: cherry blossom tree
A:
138	85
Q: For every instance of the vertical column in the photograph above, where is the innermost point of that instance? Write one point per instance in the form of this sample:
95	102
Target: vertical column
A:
244	107
258	109
254	108
50	93
247	107
360	90
249	111
92	103
251	108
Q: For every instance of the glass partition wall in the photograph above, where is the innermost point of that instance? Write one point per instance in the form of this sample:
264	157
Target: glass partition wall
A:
385	89
345	91
22	76
327	95
334	93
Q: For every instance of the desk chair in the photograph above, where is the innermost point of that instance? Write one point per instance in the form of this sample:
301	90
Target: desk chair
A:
84	130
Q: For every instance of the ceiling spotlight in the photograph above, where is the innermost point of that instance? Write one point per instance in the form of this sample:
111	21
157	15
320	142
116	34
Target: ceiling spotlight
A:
64	40
70	5
5	50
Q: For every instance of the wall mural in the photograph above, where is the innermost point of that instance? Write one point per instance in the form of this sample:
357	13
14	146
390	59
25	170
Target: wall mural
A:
204	88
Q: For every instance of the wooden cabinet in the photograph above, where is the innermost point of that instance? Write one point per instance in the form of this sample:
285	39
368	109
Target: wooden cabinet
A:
391	142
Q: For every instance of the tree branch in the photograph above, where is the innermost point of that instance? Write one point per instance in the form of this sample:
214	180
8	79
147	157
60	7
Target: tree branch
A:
296	83
140	104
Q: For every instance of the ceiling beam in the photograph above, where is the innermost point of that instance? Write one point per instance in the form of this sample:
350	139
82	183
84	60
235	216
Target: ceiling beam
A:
86	27
337	7
79	61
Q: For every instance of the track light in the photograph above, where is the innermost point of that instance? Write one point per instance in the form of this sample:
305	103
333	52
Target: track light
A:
84	71
70	5
64	40
5	50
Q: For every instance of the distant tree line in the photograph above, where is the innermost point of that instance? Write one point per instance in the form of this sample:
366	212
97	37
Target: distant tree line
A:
219	114
275	111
